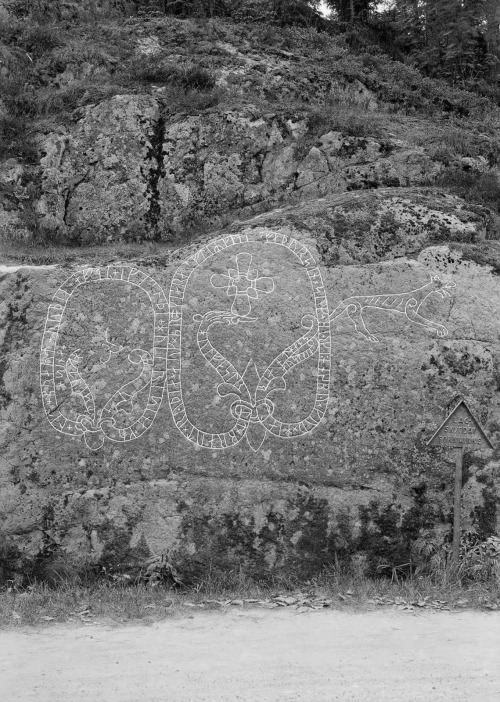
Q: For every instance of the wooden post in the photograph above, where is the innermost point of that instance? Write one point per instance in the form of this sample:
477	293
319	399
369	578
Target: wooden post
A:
457	507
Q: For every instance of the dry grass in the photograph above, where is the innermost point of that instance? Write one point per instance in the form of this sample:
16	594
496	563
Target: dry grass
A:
41	605
44	254
446	143
349	117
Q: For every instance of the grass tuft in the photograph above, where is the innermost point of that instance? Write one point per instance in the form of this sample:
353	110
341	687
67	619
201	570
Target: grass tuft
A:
188	76
41	604
348	117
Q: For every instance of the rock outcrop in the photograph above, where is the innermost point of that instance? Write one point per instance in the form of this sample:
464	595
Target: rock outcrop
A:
98	180
262	398
124	173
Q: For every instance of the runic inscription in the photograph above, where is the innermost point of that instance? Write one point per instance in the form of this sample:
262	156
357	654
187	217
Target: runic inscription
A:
238	279
117	420
253	409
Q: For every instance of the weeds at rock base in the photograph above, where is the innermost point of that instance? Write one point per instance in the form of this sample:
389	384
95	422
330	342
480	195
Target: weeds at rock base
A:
119	602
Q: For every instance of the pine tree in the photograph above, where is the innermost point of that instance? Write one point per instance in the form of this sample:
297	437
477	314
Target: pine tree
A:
352	10
455	39
492	35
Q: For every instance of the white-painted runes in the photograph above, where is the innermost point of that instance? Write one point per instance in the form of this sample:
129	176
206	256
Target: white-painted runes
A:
129	412
252	408
56	369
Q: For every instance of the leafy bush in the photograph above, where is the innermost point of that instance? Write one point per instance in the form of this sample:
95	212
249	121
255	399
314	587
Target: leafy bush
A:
479	560
161	571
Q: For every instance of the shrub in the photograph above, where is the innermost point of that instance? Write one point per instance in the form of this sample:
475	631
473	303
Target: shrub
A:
479	560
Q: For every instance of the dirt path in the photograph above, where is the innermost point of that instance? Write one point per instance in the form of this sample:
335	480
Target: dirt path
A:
256	654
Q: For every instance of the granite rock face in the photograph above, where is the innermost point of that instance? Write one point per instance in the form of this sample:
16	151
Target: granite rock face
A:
259	397
125	172
262	398
99	179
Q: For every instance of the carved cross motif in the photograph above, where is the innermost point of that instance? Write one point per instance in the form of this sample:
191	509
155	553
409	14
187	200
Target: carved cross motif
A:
243	283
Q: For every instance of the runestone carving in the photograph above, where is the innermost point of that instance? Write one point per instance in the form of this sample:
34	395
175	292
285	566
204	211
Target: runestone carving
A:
118	419
253	408
250	402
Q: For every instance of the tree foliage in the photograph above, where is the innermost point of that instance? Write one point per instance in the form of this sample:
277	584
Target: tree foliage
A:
454	39
352	10
285	12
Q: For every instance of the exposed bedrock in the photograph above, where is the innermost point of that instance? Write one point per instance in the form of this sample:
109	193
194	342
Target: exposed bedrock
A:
262	398
125	171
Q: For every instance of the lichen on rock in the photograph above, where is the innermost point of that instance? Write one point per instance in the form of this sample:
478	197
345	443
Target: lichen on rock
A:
96	181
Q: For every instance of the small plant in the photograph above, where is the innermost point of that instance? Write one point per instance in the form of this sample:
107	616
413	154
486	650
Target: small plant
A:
479	560
159	570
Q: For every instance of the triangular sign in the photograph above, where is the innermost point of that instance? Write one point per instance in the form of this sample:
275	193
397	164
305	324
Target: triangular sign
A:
460	428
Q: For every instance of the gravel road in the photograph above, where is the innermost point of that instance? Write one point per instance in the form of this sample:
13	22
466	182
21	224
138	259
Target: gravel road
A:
260	655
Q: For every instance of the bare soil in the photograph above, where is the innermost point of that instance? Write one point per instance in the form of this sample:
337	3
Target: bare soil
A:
257	654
